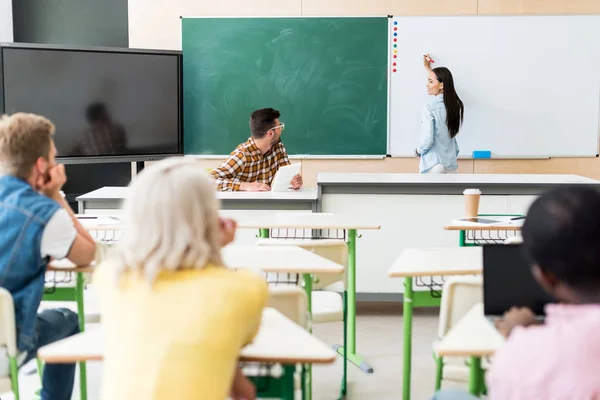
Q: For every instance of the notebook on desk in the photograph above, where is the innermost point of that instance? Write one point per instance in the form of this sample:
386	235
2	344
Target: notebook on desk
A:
508	281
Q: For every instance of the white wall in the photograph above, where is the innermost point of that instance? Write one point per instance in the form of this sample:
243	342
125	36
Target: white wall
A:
156	24
6	21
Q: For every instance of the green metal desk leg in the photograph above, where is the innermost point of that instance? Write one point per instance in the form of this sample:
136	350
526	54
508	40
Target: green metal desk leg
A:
288	382
79	288
462	239
475	376
407	319
308	284
353	357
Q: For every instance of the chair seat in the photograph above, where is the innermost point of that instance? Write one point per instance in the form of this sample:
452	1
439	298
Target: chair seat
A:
327	306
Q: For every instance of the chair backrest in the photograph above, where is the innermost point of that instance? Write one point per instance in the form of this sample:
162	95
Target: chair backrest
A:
291	301
334	250
8	329
459	296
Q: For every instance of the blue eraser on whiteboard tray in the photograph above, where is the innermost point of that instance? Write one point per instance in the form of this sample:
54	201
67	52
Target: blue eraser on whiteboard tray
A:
482	154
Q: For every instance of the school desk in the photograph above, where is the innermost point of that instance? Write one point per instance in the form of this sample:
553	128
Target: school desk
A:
475	337
299	225
473	234
413	208
428	262
279	340
109	199
285	260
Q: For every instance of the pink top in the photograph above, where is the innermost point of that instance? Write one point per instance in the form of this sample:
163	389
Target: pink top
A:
559	360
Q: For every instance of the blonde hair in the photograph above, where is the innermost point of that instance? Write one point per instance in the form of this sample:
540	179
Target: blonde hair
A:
23	139
171	219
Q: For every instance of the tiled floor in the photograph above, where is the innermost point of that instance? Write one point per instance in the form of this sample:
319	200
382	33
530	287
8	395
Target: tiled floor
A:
379	340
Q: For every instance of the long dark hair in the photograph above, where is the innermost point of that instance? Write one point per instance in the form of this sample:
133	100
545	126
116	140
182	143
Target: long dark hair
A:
454	106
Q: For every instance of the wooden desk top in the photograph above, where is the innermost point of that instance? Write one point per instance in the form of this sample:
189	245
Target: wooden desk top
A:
482	227
308	221
467	180
121	193
277	221
438	261
278	340
474	335
283	259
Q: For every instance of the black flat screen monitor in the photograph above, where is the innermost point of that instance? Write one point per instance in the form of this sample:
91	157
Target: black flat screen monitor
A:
508	281
106	103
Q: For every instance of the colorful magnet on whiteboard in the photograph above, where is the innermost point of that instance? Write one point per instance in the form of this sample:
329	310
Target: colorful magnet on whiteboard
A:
394	70
395	45
394	64
395	51
395	39
395	56
482	154
395	29
395	22
395	33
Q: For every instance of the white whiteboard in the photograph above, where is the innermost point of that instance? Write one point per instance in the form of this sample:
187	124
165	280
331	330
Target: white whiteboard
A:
6	21
530	84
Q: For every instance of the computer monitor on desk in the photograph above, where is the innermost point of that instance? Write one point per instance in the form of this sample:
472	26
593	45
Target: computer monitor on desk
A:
508	281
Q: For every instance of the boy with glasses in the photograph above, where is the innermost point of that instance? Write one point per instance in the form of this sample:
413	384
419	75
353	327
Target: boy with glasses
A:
252	165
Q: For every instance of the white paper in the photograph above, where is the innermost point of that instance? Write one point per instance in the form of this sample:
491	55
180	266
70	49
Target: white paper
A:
284	176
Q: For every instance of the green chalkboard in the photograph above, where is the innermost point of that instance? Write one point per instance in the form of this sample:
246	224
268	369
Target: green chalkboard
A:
327	76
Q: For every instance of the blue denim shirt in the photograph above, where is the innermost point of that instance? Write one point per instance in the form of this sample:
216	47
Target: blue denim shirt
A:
436	146
23	216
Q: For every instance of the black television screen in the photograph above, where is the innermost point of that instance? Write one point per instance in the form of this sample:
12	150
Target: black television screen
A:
105	103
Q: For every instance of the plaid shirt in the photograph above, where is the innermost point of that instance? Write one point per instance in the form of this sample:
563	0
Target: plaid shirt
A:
247	164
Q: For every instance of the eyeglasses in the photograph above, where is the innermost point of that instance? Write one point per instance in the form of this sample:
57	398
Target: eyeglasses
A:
282	126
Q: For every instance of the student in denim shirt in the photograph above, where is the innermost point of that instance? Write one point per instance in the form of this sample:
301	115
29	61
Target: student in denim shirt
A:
37	224
441	121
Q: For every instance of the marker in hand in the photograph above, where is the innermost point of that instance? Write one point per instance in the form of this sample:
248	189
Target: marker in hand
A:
428	58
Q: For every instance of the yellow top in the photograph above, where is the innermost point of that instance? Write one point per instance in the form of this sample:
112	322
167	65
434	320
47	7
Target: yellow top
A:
179	338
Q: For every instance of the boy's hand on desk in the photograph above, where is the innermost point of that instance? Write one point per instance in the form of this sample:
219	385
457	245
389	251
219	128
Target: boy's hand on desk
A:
522	316
254	187
228	228
296	182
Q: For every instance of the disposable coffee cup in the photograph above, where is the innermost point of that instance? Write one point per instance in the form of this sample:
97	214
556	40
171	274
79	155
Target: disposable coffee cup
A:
472	202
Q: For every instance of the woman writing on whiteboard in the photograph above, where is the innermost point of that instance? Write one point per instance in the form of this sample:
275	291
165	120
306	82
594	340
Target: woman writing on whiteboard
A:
442	119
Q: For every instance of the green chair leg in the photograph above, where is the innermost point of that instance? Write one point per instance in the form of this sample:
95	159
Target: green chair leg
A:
40	367
439	371
14	376
80	287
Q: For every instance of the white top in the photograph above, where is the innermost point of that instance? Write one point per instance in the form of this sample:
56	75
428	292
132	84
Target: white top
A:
278	340
285	259
58	235
121	192
474	335
459	179
438	261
